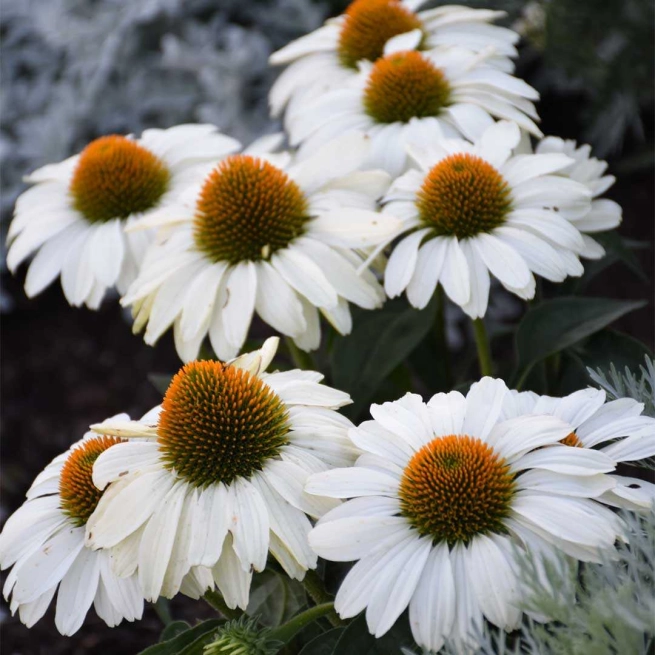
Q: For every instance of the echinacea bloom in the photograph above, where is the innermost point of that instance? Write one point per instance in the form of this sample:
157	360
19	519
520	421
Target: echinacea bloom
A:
443	496
74	215
616	428
604	214
214	480
407	91
44	542
328	57
475	210
262	233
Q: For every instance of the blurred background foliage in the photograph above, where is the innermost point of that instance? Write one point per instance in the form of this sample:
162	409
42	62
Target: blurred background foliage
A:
72	70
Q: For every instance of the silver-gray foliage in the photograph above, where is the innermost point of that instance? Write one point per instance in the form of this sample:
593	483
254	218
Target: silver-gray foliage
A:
76	69
604	609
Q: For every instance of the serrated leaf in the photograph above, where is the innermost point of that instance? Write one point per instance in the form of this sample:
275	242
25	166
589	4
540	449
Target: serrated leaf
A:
275	598
379	342
557	324
187	642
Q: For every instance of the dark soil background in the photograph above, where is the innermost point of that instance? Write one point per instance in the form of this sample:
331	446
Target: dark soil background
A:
64	368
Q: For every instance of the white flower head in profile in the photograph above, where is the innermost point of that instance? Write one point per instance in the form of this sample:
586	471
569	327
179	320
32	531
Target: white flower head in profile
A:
44	542
73	217
215	479
604	214
369	29
263	233
450	89
443	498
475	210
617	428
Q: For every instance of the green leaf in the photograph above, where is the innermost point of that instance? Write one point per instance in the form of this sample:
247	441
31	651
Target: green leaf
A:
379	342
323	644
556	324
275	598
599	351
189	642
173	629
356	639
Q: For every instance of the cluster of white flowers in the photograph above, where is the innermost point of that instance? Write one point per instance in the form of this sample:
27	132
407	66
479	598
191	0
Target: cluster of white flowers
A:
409	137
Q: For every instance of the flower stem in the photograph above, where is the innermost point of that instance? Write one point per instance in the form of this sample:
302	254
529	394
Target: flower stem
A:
316	589
440	335
163	610
285	632
482	343
300	358
213	598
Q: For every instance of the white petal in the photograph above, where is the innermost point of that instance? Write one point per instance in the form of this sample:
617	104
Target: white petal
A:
516	436
123	459
589	486
157	541
77	591
230	577
432	608
494	580
47	566
484	402
395	587
568	460
351	538
305	277
402	263
447	412
277	303
249	526
237	312
352	482
455	276
503	261
429	266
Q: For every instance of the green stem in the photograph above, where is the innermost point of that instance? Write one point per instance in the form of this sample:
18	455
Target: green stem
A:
316	589
163	610
300	358
213	598
482	343
440	334
285	632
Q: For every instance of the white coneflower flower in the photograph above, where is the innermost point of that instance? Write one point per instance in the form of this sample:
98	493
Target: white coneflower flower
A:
475	210
329	56
616	428
73	217
44	542
604	214
443	497
405	91
267	235
217	479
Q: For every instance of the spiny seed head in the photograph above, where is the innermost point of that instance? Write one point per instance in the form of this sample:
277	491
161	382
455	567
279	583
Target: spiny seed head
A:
78	496
456	487
572	440
247	210
463	195
242	637
368	25
219	423
405	85
116	177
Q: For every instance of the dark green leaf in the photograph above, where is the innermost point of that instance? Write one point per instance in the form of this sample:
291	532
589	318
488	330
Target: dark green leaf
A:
556	324
379	342
173	629
275	598
323	644
186	643
356	639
